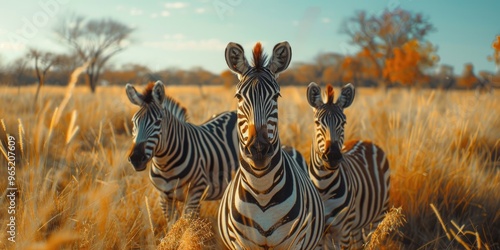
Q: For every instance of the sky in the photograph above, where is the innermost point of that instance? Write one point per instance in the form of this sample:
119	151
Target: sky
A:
188	34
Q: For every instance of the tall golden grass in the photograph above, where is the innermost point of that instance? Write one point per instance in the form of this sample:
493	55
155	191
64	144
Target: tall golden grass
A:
77	190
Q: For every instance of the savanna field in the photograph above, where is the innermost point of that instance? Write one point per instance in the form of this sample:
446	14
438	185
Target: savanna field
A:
76	189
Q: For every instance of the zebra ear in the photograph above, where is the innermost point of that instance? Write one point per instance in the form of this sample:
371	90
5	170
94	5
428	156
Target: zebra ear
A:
134	96
235	59
282	55
314	95
158	92
346	96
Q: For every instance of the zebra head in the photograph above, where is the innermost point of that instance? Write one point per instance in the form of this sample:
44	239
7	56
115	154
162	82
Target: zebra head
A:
257	94
147	122
329	120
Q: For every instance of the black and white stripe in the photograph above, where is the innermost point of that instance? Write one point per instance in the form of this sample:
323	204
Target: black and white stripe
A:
271	203
188	161
353	180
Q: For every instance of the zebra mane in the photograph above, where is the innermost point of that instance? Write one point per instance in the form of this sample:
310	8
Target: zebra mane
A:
175	108
169	103
329	94
147	93
259	58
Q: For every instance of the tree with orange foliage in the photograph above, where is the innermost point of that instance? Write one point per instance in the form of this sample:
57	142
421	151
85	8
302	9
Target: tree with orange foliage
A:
496	53
407	65
468	78
351	68
379	35
228	79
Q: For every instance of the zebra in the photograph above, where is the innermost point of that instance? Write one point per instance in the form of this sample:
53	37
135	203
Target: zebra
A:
353	181
189	162
270	203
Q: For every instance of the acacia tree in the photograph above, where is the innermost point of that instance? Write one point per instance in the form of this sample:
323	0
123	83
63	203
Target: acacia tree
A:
379	35
43	62
94	41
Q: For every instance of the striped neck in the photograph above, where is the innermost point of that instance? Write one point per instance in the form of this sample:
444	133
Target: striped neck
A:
317	164
175	133
261	181
319	174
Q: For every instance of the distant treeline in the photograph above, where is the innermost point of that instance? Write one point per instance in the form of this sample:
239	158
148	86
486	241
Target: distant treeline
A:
327	68
392	51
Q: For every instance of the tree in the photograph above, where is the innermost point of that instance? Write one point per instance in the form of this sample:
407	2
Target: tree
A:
409	62
351	69
445	77
228	79
63	66
43	62
331	75
329	68
306	73
94	41
18	70
378	36
496	53
468	78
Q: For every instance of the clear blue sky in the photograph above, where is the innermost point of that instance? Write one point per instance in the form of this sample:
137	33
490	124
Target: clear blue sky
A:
187	34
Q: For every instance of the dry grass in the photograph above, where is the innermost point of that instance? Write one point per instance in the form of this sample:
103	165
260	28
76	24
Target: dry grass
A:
76	189
393	219
189	233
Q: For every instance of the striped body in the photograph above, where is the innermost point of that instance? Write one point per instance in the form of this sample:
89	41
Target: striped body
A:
355	196
271	203
353	181
188	161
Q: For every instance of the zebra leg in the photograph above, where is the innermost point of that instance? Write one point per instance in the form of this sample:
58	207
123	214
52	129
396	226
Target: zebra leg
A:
169	210
326	243
356	239
192	206
368	230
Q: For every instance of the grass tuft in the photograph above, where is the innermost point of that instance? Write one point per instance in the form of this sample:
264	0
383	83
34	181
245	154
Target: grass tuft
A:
190	233
393	219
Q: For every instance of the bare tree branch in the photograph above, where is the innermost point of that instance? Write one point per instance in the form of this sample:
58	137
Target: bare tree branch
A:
94	41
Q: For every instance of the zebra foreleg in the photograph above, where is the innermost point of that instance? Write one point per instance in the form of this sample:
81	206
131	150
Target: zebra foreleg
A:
356	239
192	207
169	210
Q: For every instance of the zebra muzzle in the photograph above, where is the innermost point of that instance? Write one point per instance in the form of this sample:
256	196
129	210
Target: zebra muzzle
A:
259	149
332	156
138	157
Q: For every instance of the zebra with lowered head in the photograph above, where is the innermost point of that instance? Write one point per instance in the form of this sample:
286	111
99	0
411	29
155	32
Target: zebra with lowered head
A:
189	162
352	178
270	203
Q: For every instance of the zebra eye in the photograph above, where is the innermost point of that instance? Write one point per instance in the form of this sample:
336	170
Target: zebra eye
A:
238	96
157	123
317	123
275	97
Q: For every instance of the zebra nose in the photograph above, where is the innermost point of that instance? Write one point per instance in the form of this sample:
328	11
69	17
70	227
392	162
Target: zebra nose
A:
332	154
138	156
332	151
260	143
